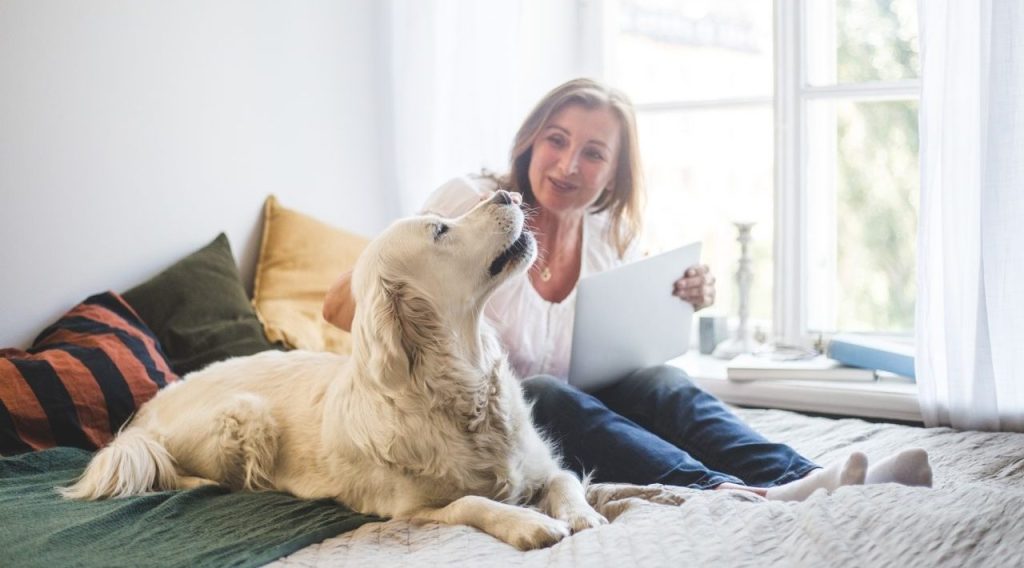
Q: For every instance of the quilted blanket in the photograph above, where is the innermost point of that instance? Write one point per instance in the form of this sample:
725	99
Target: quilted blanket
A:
207	526
974	516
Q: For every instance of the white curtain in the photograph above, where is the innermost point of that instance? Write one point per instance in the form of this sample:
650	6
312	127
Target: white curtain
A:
970	314
462	76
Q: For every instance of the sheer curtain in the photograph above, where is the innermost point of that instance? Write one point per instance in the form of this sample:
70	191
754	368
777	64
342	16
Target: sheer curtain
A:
970	313
461	76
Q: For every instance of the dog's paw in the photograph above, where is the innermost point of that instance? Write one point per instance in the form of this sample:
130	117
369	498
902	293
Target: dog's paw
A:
583	518
530	529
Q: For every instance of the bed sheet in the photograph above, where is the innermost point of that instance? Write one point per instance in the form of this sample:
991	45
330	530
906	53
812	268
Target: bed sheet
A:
974	515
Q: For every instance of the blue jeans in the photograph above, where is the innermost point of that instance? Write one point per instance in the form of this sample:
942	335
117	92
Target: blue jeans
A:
656	426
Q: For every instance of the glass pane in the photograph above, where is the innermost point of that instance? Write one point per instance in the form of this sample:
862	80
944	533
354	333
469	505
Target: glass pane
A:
852	41
863	185
704	170
696	50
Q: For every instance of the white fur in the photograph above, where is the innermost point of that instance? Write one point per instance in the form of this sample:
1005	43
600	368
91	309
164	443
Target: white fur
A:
425	421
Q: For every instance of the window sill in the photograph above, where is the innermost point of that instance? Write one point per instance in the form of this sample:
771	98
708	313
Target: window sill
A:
889	399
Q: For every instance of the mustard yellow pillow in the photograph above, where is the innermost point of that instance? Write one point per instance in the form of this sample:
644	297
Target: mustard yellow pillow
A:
300	258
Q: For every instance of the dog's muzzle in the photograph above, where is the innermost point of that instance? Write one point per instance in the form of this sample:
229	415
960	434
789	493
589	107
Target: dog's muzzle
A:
524	244
521	249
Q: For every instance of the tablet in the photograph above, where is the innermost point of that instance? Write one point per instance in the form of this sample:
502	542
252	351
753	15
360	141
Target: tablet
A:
627	319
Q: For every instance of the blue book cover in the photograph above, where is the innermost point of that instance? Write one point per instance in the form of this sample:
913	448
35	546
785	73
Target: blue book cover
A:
883	353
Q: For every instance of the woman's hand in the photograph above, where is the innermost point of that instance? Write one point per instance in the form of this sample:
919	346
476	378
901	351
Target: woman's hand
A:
697	286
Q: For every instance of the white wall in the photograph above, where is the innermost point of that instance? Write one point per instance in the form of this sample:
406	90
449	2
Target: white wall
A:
462	76
132	132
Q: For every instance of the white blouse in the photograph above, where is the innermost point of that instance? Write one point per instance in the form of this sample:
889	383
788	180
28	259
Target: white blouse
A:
536	333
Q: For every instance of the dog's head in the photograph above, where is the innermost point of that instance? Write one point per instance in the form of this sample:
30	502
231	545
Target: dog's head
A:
426	279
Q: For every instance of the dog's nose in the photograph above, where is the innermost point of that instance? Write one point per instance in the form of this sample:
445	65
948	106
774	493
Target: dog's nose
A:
502	197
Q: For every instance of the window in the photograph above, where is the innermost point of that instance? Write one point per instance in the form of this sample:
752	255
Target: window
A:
800	117
858	93
701	77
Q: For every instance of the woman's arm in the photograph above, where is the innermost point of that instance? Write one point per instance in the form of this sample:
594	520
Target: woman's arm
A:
339	305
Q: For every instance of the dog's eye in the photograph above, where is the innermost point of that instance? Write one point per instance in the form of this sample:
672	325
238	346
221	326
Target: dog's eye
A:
440	229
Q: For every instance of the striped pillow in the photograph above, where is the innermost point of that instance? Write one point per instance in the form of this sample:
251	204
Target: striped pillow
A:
81	380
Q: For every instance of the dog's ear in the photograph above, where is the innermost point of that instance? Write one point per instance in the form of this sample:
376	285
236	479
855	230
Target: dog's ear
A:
388	362
406	327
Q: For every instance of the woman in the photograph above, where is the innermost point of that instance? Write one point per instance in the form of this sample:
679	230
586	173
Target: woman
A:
575	163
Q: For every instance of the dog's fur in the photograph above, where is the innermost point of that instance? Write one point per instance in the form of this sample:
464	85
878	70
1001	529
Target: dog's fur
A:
425	421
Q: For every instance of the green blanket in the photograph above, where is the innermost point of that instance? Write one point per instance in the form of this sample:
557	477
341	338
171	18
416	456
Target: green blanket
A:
208	526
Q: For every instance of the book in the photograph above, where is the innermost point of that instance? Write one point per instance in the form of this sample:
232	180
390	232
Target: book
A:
750	367
880	352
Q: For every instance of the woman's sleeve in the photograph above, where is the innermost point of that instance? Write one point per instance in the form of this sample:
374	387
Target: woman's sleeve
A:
456	196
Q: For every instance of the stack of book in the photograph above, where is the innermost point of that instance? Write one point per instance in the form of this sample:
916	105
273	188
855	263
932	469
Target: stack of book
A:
848	357
752	367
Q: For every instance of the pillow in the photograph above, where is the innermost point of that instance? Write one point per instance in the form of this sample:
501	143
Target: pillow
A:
81	380
199	310
300	258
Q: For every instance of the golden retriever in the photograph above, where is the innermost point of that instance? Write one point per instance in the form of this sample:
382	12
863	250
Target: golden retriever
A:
424	421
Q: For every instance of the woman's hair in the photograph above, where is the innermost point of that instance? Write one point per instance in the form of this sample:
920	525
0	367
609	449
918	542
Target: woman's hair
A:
624	203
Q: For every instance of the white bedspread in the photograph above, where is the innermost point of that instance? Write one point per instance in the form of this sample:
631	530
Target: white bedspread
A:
974	516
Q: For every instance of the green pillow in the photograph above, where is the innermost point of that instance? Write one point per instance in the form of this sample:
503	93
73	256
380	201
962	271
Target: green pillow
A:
199	310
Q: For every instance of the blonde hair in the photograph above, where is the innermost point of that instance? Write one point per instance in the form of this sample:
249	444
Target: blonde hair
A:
624	203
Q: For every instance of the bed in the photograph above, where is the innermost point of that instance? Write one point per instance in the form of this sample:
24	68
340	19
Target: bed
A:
974	515
198	311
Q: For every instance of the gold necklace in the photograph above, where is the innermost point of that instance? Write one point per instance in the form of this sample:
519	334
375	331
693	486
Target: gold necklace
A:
545	274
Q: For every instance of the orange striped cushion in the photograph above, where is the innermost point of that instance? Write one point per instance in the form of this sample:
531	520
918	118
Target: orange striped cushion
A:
81	380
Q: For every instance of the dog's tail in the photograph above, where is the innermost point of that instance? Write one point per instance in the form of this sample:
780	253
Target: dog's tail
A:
133	464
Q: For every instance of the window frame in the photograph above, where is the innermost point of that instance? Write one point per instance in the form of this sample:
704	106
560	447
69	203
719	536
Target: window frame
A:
789	101
793	93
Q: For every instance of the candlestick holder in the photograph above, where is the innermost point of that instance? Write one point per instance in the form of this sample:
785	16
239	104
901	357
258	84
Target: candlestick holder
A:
743	341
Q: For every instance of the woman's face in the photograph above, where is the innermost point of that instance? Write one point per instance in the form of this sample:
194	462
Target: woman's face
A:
574	158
